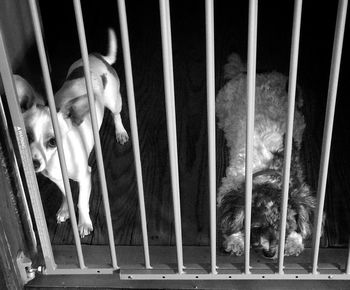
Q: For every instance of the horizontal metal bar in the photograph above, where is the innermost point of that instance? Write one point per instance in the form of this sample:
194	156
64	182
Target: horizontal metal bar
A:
72	270
131	262
193	275
114	281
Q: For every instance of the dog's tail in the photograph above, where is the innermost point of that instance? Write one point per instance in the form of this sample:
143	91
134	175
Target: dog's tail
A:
111	56
234	66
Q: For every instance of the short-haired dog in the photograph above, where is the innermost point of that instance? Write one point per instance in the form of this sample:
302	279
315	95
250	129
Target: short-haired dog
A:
75	126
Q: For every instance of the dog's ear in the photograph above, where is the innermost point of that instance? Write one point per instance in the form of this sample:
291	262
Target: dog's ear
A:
76	109
232	212
305	204
65	125
26	94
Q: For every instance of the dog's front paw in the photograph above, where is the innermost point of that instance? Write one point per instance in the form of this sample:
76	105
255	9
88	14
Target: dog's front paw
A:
85	228
234	244
62	214
122	137
294	244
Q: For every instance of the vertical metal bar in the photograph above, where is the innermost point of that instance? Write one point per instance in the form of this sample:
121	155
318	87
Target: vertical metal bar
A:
43	35
171	123
209	13
251	66
289	135
328	128
348	262
52	106
28	222
95	129
19	128
133	122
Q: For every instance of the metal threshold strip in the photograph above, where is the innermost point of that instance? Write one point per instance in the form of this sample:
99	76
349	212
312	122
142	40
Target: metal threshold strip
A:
197	264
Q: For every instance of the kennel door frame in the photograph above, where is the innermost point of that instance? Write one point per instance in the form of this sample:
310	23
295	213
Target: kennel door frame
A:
25	155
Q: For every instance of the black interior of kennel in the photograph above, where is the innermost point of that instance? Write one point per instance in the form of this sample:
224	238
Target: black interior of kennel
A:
188	37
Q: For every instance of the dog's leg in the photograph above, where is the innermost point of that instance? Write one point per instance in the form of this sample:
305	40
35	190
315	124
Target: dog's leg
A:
120	132
85	224
112	99
232	222
294	244
234	243
63	212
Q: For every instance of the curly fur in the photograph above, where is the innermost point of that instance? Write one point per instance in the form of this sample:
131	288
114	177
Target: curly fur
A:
271	100
271	104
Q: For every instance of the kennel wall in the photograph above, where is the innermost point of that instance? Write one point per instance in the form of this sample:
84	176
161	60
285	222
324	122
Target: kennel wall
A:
154	262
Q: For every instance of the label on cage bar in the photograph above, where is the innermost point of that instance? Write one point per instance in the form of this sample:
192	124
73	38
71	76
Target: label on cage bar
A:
33	192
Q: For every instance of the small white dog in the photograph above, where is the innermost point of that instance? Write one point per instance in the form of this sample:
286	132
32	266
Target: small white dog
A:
75	126
271	104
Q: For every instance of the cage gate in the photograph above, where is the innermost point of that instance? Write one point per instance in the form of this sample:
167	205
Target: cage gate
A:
203	263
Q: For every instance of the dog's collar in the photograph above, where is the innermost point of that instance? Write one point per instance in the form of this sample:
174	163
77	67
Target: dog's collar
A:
267	171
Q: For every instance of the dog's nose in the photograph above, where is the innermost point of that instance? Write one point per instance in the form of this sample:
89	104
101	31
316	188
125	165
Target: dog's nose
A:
269	253
36	164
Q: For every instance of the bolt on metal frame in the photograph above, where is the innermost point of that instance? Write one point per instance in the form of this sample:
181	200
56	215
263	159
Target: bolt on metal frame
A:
149	273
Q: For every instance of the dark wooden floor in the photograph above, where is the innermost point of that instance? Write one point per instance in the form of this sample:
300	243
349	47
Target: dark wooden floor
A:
274	35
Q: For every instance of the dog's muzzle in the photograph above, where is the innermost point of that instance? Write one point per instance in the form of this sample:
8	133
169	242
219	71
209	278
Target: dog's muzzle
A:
36	164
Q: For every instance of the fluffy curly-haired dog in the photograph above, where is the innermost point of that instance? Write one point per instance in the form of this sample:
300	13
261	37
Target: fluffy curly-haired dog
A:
271	104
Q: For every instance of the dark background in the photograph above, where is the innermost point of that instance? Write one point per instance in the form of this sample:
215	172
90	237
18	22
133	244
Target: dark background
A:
188	38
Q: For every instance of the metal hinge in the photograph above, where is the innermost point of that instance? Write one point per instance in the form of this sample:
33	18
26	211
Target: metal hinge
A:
25	268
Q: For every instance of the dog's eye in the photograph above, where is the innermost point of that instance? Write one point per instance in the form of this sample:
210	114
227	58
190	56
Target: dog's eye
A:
52	142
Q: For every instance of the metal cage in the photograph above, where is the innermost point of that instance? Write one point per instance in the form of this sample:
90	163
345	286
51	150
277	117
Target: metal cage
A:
210	266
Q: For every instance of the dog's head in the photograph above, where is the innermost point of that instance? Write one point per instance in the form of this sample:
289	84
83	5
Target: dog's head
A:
41	138
27	96
37	119
266	207
266	212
